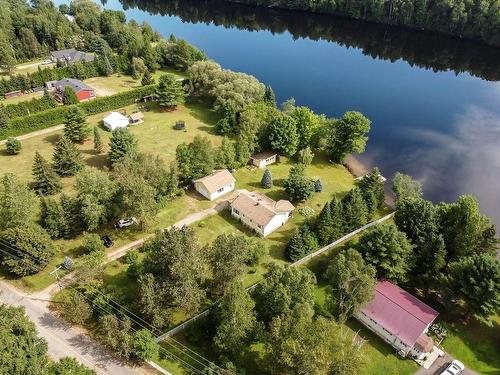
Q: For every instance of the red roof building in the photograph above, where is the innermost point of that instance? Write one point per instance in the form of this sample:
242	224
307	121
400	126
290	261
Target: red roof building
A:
399	318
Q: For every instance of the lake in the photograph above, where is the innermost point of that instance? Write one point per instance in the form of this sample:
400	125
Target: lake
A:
434	101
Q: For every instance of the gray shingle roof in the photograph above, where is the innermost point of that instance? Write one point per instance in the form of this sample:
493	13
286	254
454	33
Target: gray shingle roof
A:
75	84
72	55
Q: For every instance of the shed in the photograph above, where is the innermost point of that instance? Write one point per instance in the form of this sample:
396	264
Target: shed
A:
115	120
13	94
136	118
263	159
216	184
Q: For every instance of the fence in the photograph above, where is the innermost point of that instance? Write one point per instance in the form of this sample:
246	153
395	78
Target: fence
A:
307	258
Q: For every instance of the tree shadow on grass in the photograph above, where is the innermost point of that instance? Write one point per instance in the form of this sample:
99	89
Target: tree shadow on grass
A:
99	161
52	138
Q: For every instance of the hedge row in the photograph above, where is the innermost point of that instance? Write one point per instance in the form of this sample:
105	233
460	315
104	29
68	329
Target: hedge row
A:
21	81
51	117
28	107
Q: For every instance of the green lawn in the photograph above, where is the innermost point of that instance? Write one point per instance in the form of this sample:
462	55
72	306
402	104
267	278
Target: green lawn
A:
475	344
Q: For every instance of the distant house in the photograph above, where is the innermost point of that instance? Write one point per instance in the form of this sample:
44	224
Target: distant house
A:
115	120
136	118
13	94
70	56
216	184
400	319
259	212
263	159
69	17
83	91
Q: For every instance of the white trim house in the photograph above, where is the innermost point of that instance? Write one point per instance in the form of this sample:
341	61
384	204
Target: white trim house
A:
216	184
259	212
400	319
263	159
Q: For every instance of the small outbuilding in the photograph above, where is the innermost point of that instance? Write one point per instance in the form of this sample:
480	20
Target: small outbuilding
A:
13	94
115	120
263	159
136	118
216	184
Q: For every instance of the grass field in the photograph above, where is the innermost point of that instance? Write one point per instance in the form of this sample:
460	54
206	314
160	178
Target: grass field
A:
476	345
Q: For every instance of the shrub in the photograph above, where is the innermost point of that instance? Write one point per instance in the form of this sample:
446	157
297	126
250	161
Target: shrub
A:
131	257
92	242
13	146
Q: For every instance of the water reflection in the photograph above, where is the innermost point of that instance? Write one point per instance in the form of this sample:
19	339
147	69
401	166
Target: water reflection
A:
431	51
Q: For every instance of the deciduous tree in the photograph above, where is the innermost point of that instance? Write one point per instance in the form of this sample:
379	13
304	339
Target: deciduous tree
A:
348	134
351	283
235	320
388	250
17	202
283	136
297	185
404	186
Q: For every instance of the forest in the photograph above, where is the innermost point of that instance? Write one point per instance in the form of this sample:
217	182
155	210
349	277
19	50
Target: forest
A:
478	20
423	49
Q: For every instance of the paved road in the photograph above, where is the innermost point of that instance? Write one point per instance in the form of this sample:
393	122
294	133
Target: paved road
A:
440	365
65	340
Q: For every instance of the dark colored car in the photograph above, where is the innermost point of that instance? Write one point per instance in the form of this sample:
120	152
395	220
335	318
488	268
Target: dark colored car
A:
107	241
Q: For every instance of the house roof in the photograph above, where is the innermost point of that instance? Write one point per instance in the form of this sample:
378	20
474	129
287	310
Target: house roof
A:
75	84
264	155
136	116
216	180
72	55
115	118
258	207
424	343
401	313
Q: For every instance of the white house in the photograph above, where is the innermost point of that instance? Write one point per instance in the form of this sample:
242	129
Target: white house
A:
400	319
263	159
115	120
215	185
260	212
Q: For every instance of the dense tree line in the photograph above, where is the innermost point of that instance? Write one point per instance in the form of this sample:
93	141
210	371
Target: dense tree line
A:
23	352
30	31
427	50
461	18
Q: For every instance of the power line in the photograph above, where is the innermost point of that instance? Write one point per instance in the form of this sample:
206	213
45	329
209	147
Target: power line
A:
101	309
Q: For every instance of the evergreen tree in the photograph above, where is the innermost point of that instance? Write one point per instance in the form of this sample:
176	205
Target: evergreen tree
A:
147	78
52	217
13	146
267	179
324	225
67	159
75	127
318	186
302	242
269	96
72	222
169	91
372	188
354	209
45	179
338	221
123	143
4	120
297	185
69	96
98	146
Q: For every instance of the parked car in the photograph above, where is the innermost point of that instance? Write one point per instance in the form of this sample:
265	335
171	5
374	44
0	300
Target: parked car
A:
127	222
107	241
454	368
46	62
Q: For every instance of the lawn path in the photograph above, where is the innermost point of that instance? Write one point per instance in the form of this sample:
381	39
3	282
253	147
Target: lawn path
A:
36	133
48	292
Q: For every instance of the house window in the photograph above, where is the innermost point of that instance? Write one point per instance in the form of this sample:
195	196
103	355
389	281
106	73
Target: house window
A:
220	190
259	226
236	211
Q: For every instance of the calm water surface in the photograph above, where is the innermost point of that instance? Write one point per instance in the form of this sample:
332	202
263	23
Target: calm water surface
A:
434	101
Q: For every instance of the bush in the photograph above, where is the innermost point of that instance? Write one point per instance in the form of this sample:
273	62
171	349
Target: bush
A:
131	257
92	242
13	146
29	107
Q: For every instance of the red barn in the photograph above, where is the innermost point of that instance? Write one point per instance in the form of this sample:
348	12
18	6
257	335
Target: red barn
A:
83	91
